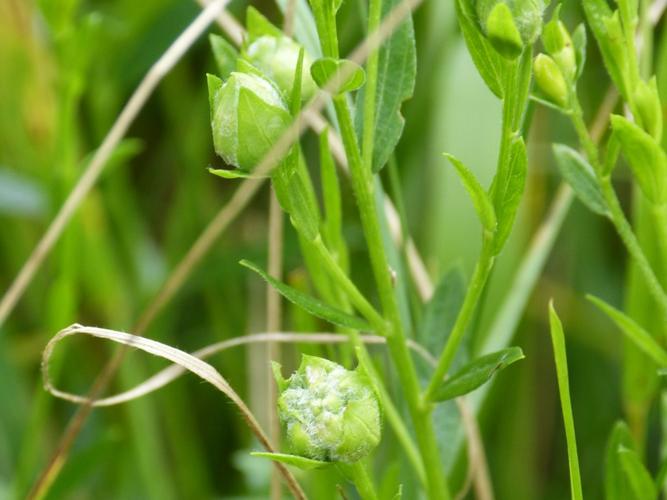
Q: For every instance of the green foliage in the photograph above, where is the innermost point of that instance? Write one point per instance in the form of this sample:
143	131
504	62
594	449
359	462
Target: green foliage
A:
310	304
340	75
579	174
560	356
397	73
476	373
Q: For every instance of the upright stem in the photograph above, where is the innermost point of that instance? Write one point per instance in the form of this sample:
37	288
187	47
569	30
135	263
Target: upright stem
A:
616	214
479	278
362	480
624	230
362	184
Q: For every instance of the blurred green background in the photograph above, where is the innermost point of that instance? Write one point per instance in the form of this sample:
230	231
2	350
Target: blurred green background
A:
66	69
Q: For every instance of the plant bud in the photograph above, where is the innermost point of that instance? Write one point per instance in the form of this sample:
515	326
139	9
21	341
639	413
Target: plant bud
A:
510	24
549	79
329	413
247	118
649	108
558	44
277	58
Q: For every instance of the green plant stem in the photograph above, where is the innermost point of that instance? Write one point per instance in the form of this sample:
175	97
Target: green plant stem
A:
479	279
624	230
616	214
362	480
370	89
362	183
391	413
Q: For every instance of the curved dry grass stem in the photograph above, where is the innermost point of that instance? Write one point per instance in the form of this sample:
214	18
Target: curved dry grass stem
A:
172	372
163	65
183	359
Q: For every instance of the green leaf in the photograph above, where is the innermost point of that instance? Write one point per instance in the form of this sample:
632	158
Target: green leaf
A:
258	25
232	174
611	40
560	356
332	228
640	337
305	30
397	72
616	485
645	156
297	82
302	463
295	193
508	190
578	173
484	56
440	312
312	305
480	198
340	75
476	373
638	477
225	55
580	42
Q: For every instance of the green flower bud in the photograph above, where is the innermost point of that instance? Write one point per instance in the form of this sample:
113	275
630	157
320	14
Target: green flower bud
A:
503	33
550	80
247	118
329	413
508	22
277	58
558	44
649	108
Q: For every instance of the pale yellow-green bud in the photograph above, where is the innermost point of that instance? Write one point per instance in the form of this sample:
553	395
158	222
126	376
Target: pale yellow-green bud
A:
558	43
550	80
277	58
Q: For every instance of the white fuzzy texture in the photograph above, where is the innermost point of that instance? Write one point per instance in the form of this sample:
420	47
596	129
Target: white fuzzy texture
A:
315	404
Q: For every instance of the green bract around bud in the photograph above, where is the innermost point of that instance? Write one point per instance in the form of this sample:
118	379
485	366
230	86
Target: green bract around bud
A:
277	58
329	413
247	118
503	20
550	80
558	44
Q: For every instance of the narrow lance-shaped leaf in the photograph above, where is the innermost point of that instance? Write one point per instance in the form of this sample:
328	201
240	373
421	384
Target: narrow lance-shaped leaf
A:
311	304
640	337
645	156
615	481
488	62
580	42
638	477
579	174
507	191
476	373
560	356
302	463
440	312
332	226
480	198
397	71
